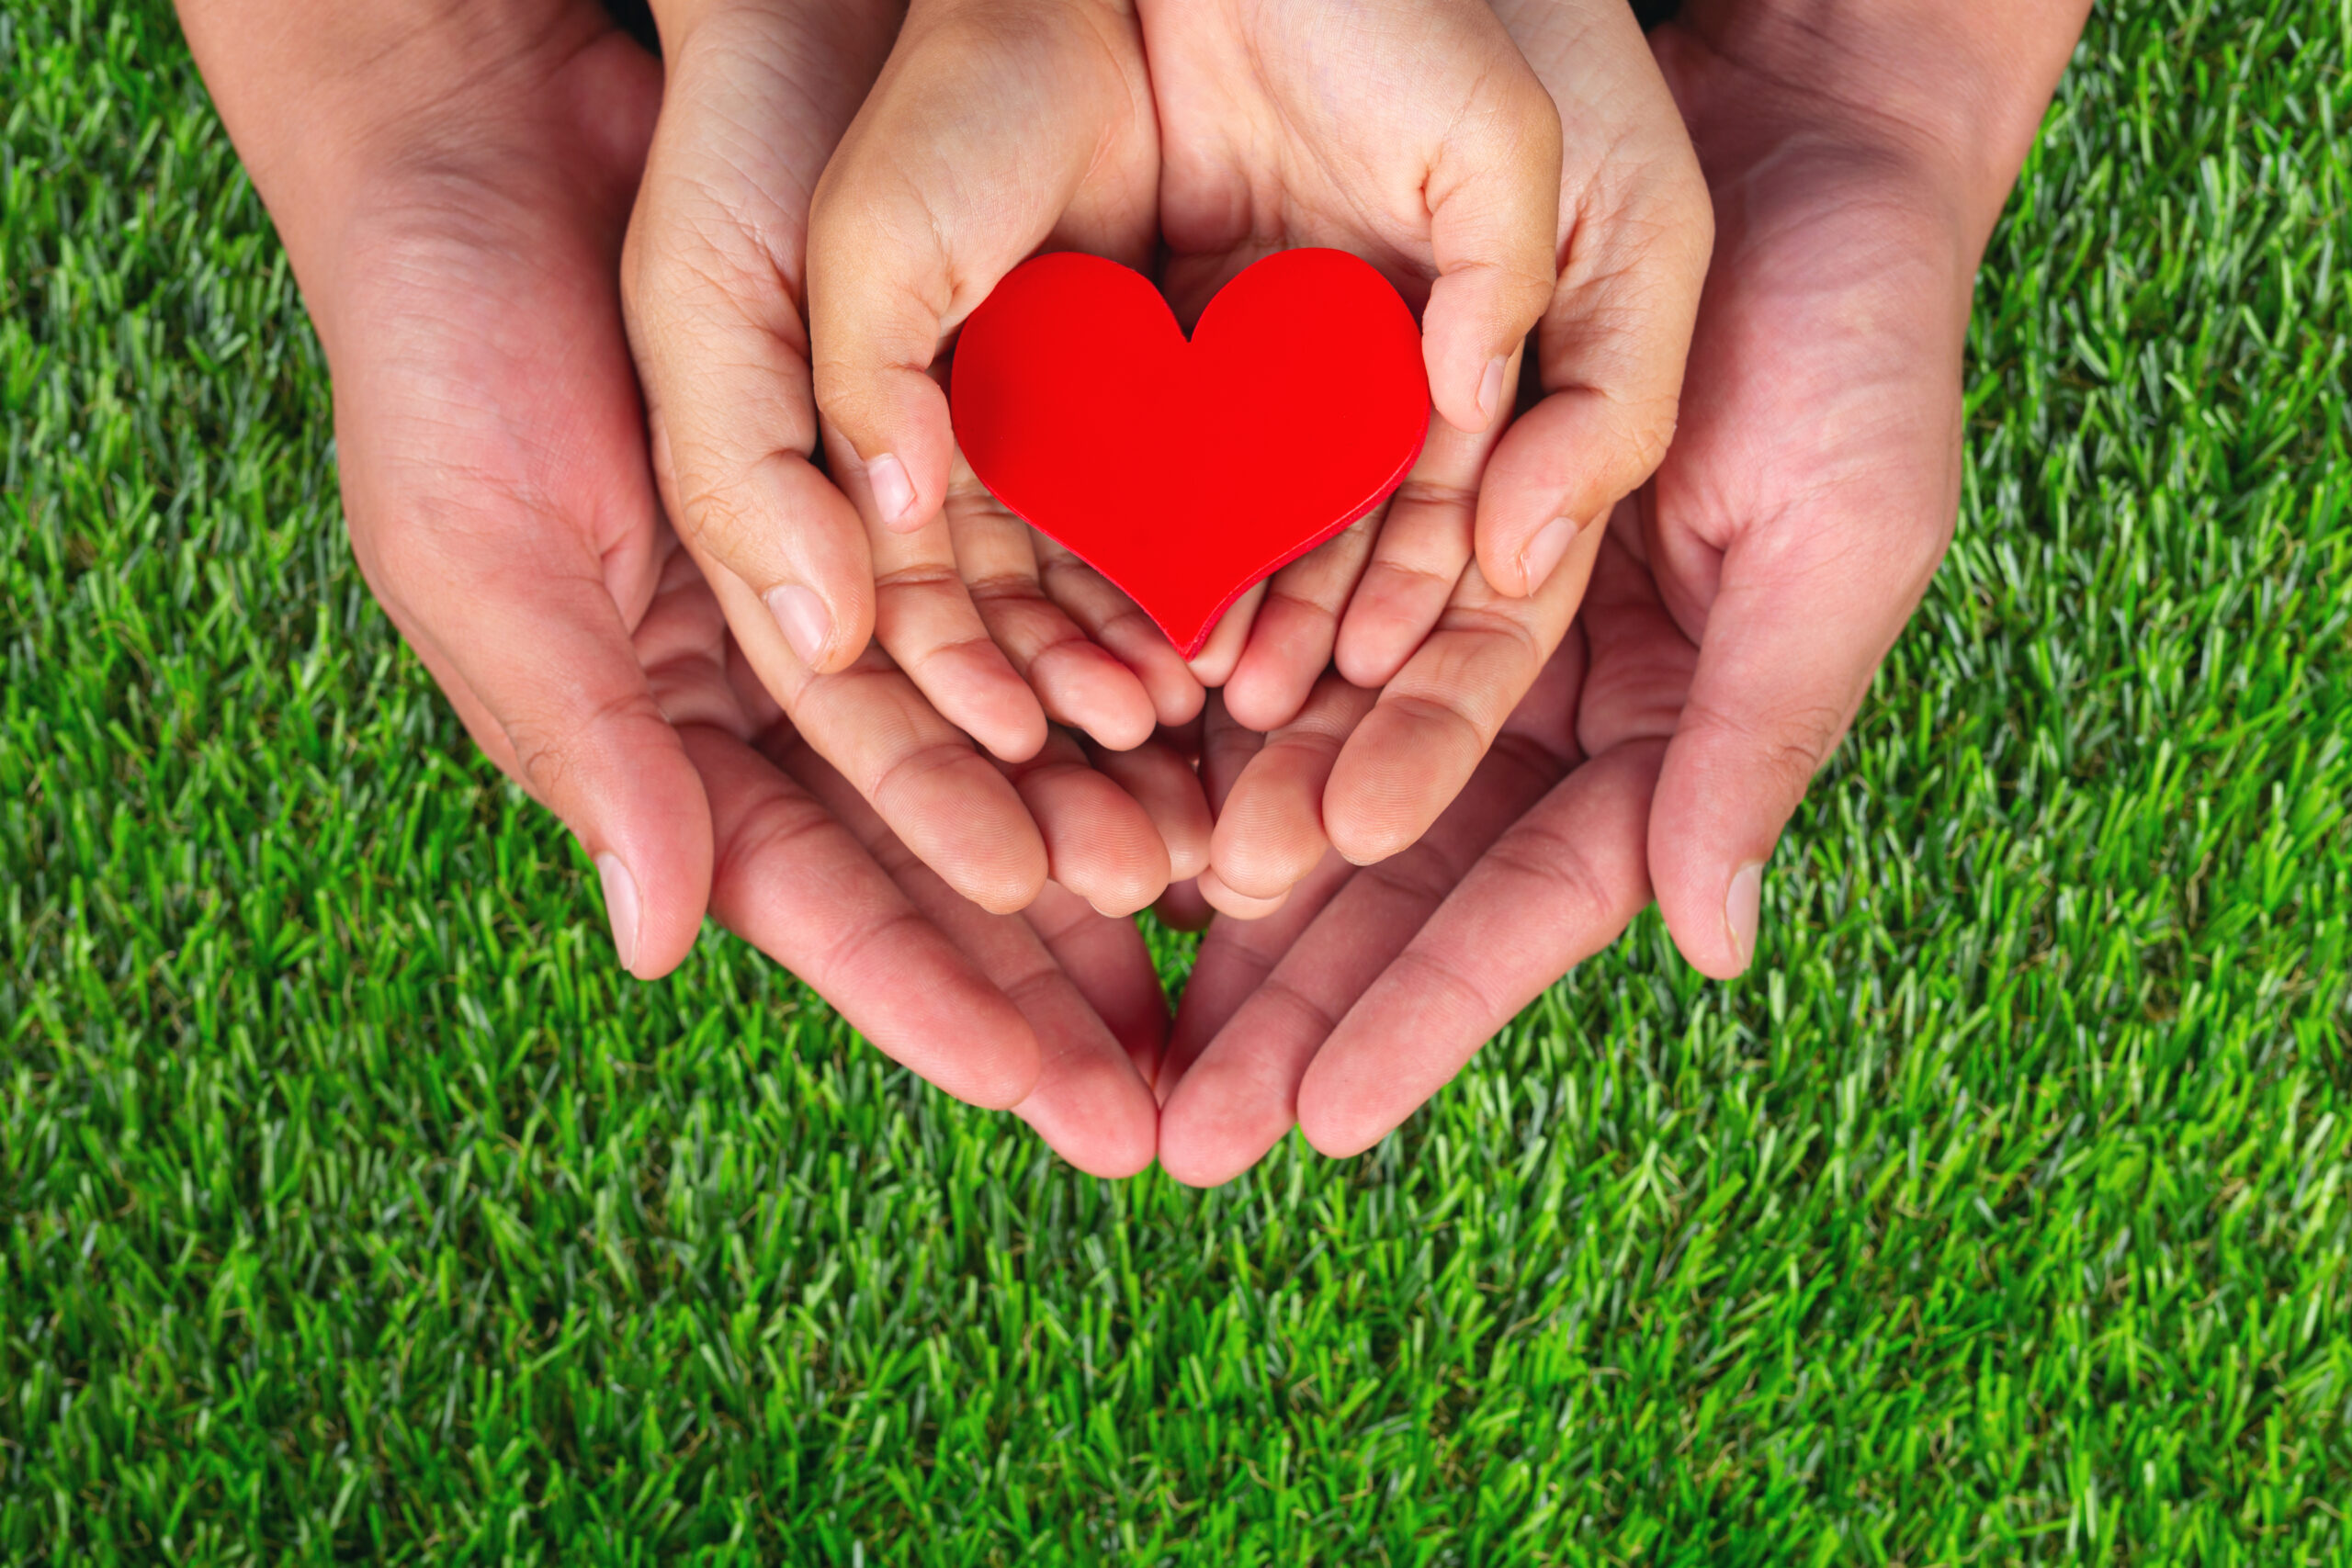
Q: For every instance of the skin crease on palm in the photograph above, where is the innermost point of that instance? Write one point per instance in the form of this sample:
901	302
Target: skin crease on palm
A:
459	259
1737	607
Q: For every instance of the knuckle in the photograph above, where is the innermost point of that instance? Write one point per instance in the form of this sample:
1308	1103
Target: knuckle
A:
910	767
549	749
1789	739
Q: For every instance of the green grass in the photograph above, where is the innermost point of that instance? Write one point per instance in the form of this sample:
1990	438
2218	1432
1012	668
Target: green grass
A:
349	1207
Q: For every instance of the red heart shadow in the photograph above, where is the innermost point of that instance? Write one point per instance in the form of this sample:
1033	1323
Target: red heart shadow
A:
1186	471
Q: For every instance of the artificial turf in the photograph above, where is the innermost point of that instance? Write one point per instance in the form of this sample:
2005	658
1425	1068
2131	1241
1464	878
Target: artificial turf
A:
351	1207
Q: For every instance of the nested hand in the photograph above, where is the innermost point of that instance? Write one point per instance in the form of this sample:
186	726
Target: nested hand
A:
995	130
1736	612
1432	646
717	276
461	264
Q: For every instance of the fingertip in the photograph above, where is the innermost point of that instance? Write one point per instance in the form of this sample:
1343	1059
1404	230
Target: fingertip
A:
1201	1150
624	908
1240	906
1082	684
1214	665
997	1078
1477	316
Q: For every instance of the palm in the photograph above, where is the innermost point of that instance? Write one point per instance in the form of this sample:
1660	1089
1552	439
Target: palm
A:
1265	147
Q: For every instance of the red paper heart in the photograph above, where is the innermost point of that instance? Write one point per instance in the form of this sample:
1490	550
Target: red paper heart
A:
1186	471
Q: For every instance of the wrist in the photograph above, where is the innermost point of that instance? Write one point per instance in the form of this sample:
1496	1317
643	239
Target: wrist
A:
357	120
1954	88
855	21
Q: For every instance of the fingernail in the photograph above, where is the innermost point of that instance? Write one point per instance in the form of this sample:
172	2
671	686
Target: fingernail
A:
1541	556
894	493
621	904
1741	907
802	616
1490	389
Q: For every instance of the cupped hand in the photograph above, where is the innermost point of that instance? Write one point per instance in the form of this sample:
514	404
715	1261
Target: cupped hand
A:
1433	152
460	267
1431	649
715	281
1738	607
1055	1013
997	129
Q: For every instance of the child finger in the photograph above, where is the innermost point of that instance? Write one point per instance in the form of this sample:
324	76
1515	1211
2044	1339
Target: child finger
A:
1297	622
1077	681
1421	742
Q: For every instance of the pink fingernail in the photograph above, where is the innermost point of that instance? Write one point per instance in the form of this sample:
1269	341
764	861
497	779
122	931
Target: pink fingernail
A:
894	493
1542	557
621	906
1490	389
802	616
1743	904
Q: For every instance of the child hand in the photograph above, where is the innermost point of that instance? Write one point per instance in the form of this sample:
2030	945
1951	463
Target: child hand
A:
1634	232
713	277
1434	154
995	129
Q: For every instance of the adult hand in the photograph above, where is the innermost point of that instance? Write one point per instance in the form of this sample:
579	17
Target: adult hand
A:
1737	609
457	252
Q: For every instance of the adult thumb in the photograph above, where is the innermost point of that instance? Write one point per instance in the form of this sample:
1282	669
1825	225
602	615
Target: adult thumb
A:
1798	626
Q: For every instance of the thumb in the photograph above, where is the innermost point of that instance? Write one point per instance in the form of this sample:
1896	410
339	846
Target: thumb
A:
542	670
1494	200
982	141
1639	227
1797	629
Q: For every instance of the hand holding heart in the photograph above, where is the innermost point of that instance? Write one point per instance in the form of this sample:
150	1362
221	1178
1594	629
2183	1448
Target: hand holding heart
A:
995	130
712	722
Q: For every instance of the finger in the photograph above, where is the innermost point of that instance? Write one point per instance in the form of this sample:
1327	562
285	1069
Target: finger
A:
1419	745
1799	625
1090	1104
1270	831
904	241
1213	666
1079	684
1226	746
1107	961
546	665
1120	627
1233	959
711	273
1636	231
925	620
1417	561
1161	781
1297	622
1271	993
793	882
1099	843
1494	200
948	804
1559	887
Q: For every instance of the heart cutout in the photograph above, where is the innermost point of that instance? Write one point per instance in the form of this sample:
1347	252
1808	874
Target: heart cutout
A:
1185	471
